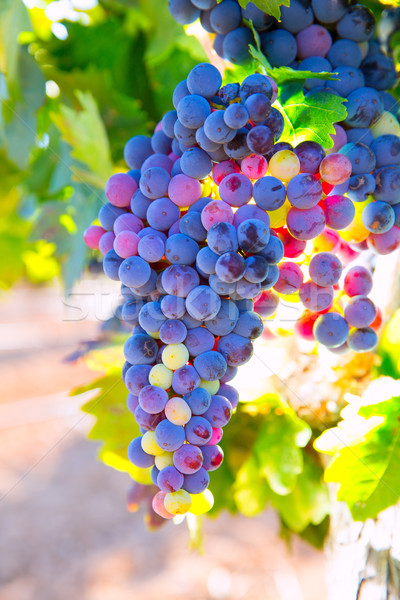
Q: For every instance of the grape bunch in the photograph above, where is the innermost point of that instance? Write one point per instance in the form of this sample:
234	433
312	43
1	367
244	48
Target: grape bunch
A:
206	236
317	35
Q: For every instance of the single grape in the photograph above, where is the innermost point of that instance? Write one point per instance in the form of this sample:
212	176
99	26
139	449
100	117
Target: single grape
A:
331	330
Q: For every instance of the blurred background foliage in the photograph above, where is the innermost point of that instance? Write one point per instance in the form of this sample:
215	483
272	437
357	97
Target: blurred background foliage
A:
77	79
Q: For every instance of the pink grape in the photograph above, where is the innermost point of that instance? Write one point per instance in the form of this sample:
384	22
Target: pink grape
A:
158	505
216	211
106	242
126	244
290	278
385	243
314	40
93	235
183	190
224	168
236	189
335	168
254	166
216	436
120	189
127	222
306	224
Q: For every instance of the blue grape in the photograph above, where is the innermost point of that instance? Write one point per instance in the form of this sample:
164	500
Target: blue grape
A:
349	80
236	349
275	122
315	64
362	157
235	45
378	217
180	249
162	213
108	214
198	431
151	317
225	320
191	225
172	331
220	411
271	278
255	83
249	325
358	24
396	209
273	251
168	436
184	135
222	237
230	374
146	420
212	457
226	16
363	340
269	193
139	204
151	248
168	122
360	312
256	269
135	174
202	303
190	322
147	288
387	150
130	311
379	72
247	290
249	211
195	483
199	340
134	272
230	393
236	116
138	456
253	235
199	401
196	163
206	260
193	110
360	134
304	191
160	142
157	160
173	307
205	21
170	479
364	107
210	365
310	155
111	265
331	330
204	142
185	379
325	269
306	224
297	16
390	103
216	129
360	187
179	280
137	377
230	267
183	11
152	399
154	474
258	107
238	148
204	79
388	184
279	46
136	150
260	139
345	52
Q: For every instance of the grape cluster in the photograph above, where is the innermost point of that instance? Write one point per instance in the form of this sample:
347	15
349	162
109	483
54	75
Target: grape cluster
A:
205	243
313	35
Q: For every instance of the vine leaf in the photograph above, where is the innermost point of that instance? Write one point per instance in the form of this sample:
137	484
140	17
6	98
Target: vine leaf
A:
115	426
366	454
271	7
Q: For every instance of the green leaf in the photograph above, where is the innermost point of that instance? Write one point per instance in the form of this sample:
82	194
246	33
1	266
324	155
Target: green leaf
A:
271	7
14	19
278	447
309	117
84	131
251	491
115	426
308	503
366	455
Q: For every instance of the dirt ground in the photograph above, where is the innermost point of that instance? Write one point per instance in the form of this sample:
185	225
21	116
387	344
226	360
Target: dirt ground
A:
65	533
